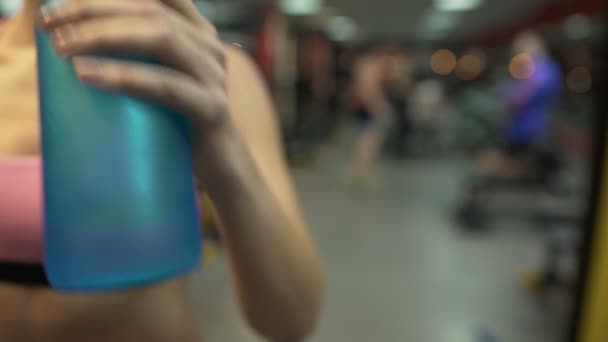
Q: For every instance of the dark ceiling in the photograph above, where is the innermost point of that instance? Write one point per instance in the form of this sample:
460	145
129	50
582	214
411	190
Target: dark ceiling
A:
411	18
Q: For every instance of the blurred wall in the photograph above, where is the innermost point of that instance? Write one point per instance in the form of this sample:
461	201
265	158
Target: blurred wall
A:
595	314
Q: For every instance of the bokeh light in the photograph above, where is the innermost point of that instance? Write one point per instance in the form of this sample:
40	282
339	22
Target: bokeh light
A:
443	62
522	67
579	80
341	28
470	67
578	26
300	7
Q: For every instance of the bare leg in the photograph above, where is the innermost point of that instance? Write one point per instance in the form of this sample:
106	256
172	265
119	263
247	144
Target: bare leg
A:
369	144
367	148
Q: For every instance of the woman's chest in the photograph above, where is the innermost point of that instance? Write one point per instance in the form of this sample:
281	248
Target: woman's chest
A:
19	119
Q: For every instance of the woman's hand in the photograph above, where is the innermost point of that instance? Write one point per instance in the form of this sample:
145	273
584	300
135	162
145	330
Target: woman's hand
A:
190	76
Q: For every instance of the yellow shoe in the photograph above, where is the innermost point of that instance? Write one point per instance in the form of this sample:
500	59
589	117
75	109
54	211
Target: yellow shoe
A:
211	253
532	282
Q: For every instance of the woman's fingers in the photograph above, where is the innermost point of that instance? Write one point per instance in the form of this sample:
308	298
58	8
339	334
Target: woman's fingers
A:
153	38
60	13
204	105
56	14
188	73
53	16
136	27
137	34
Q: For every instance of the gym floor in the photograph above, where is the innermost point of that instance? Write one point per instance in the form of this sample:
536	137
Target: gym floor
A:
398	269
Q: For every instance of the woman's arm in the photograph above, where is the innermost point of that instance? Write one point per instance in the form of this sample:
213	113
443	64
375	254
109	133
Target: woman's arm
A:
236	146
276	267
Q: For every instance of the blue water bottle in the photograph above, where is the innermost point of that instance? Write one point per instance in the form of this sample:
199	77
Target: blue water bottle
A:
120	201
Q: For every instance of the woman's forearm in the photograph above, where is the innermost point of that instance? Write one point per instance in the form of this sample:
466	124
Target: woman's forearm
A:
277	271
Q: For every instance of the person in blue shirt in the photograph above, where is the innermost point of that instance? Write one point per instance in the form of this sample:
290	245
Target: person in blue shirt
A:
522	153
532	96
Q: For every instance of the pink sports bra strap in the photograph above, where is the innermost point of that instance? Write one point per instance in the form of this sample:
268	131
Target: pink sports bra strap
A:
21	237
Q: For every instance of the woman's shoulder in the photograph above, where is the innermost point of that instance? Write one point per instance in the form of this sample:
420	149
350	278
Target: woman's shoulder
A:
248	96
241	66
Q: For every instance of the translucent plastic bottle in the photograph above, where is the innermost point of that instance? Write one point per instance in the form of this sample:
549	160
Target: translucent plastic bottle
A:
119	197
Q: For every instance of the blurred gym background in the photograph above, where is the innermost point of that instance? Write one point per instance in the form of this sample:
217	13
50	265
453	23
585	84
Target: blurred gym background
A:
443	152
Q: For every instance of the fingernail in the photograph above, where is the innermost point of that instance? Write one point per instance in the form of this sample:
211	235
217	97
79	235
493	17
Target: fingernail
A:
88	70
58	38
64	35
85	66
50	11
